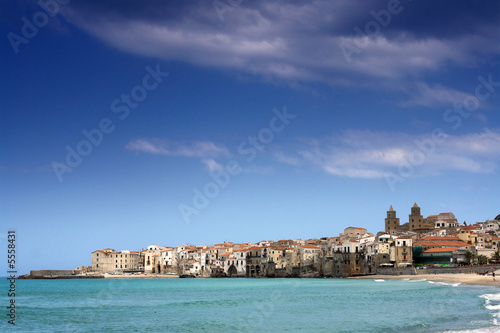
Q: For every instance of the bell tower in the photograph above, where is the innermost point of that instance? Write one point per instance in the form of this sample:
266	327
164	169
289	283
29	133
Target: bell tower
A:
391	222
415	219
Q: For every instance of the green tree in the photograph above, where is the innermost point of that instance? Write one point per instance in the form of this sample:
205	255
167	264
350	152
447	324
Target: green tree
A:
482	259
469	256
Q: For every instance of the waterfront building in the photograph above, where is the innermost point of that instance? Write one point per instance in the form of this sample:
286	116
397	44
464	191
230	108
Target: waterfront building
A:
276	256
108	260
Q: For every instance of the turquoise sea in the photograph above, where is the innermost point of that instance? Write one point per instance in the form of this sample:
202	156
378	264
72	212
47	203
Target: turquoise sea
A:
250	305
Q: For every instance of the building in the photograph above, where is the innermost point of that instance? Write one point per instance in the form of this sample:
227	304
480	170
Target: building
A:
276	256
446	224
403	252
351	232
415	219
152	259
438	250
256	261
168	261
108	260
391	222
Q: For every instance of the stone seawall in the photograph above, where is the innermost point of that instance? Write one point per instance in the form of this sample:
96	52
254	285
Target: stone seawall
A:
59	274
396	271
456	270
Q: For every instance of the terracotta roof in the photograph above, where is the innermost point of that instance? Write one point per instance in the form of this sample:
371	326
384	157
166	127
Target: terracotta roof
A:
310	246
442	243
441	238
255	248
442	249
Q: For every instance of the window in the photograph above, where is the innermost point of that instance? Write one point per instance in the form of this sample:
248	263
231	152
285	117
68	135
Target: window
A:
97	259
97	265
404	243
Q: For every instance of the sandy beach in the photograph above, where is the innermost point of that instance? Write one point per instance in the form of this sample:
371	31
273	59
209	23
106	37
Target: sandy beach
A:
140	276
473	279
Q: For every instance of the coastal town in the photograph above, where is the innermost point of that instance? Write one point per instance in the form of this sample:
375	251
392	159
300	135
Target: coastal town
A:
434	241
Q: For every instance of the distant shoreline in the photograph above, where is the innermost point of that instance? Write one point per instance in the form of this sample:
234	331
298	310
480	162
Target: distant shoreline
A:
462	278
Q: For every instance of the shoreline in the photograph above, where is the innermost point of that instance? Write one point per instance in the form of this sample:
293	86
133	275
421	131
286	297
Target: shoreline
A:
141	276
463	278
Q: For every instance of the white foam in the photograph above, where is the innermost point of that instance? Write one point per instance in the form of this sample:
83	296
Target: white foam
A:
491	297
378	280
456	284
492	307
421	280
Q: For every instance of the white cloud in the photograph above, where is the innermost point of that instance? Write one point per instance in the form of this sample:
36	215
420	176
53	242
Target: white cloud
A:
168	148
436	95
212	166
292	43
367	154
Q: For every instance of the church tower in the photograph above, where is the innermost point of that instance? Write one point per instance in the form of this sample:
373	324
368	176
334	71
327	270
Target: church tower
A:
391	222
415	219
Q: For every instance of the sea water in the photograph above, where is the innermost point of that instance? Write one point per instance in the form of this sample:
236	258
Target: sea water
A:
250	305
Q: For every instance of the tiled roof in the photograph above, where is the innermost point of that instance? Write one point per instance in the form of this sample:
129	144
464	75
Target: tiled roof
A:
440	238
442	249
310	246
442	243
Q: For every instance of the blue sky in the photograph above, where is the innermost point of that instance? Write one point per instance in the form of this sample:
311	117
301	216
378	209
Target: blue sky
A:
292	119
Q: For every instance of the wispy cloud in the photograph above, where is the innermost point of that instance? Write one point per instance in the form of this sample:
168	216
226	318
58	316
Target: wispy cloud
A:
368	154
166	147
211	165
274	40
435	96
